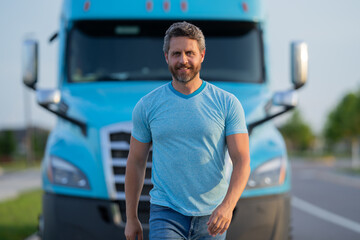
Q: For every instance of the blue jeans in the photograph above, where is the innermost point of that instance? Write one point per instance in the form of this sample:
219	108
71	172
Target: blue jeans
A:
166	223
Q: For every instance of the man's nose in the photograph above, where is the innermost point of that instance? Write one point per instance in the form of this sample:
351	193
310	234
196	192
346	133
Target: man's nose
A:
183	58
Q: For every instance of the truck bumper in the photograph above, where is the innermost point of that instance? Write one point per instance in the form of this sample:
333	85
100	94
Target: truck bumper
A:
73	218
262	218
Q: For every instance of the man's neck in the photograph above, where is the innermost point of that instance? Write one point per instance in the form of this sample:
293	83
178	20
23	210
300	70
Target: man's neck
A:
188	87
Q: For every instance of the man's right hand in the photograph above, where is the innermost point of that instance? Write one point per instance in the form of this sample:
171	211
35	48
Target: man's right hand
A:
133	229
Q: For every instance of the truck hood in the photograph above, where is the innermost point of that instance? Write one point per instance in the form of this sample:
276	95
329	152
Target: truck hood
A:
105	103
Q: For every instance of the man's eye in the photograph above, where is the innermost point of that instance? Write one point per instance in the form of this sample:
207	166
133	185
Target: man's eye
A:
176	54
190	53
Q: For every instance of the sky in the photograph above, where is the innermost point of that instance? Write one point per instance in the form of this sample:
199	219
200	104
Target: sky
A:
329	27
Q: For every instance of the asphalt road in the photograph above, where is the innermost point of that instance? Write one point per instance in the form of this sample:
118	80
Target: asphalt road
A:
12	184
325	203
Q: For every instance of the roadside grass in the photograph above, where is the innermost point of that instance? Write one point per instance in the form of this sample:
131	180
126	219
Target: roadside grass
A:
326	158
351	171
19	216
19	163
311	156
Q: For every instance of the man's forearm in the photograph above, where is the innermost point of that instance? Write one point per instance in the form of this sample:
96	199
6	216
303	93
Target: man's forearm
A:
134	180
238	181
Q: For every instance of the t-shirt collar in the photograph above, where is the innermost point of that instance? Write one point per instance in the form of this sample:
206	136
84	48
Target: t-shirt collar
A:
203	84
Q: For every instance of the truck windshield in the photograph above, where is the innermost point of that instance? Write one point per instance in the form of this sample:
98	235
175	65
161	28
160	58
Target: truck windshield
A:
132	50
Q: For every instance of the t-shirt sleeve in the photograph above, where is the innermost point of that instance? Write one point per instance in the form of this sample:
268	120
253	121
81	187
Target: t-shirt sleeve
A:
235	118
141	129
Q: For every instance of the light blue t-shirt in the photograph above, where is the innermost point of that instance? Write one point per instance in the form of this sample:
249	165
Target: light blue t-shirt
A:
188	134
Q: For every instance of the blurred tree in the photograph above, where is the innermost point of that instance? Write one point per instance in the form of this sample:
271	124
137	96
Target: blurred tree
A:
298	134
7	144
39	142
343	123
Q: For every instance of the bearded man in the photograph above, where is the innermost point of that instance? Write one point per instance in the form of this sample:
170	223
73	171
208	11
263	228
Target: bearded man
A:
190	124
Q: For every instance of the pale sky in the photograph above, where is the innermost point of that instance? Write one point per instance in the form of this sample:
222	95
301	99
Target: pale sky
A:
329	27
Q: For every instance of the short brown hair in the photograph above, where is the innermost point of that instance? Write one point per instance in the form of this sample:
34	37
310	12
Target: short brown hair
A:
184	29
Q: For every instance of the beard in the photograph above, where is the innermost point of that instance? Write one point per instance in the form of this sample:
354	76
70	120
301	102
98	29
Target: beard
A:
184	77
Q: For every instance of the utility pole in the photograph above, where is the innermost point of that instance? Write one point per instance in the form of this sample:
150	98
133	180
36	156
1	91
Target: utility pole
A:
355	163
28	129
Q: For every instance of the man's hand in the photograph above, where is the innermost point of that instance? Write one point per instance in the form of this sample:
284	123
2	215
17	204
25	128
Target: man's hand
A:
220	220
133	229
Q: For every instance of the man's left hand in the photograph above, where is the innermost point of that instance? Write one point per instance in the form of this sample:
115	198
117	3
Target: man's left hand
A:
220	220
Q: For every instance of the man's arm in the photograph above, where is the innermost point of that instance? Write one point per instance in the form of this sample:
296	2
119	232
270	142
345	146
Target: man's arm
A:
134	180
238	146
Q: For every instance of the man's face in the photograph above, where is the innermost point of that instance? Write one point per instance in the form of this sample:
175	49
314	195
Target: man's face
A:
184	59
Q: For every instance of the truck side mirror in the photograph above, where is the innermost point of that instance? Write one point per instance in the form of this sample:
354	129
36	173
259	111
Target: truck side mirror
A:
286	99
299	63
48	97
30	63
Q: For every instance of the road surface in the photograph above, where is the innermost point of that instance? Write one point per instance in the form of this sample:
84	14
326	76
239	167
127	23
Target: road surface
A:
11	184
325	203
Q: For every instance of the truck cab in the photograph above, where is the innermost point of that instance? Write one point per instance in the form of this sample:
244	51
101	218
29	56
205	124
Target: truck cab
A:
110	55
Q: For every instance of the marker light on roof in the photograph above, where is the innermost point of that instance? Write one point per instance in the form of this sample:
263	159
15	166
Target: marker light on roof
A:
184	6
245	6
86	6
149	6
166	6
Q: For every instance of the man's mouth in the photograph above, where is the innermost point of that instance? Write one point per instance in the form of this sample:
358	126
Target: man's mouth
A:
183	68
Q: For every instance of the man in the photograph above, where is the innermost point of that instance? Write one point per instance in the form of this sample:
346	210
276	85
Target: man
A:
189	123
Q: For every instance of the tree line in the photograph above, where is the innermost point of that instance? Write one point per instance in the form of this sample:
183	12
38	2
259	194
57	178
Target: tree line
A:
342	127
13	143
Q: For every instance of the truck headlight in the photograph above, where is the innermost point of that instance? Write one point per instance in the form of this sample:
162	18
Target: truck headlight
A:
268	174
62	172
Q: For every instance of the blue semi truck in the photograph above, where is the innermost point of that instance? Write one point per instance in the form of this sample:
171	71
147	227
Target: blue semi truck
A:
110	55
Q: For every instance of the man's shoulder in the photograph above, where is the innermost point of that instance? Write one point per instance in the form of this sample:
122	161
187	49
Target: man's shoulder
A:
215	90
156	93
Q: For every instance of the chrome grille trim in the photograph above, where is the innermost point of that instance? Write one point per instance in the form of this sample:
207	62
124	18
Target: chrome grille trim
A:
120	146
142	198
114	167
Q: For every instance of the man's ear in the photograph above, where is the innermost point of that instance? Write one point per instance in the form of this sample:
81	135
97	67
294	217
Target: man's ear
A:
202	55
166	58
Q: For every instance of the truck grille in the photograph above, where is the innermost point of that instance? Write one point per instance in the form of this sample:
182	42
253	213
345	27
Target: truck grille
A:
115	145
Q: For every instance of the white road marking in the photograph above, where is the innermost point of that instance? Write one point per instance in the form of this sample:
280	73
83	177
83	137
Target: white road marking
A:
325	215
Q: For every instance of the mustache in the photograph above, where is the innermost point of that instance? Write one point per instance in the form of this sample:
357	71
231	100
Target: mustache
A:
183	66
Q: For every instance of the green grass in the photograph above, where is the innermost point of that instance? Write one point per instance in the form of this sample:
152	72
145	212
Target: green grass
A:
352	171
18	163
19	216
